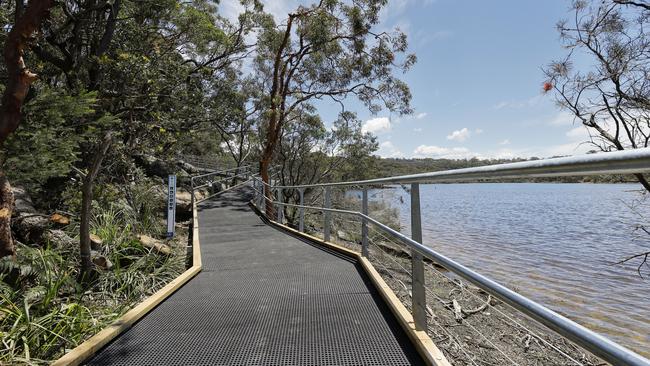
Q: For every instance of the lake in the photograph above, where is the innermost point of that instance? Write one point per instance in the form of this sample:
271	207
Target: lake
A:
554	243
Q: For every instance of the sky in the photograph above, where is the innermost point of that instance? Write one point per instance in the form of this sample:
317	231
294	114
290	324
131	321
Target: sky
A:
477	85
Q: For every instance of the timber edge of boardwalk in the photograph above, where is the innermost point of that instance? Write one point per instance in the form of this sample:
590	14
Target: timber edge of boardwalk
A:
264	298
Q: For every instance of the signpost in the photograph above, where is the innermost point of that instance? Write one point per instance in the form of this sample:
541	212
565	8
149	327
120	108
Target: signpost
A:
171	206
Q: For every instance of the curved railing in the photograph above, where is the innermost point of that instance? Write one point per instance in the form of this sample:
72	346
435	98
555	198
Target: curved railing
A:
623	162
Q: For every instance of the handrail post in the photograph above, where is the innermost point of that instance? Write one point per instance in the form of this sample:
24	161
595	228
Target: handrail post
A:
262	198
192	191
260	193
327	214
419	296
364	223
280	207
301	225
277	206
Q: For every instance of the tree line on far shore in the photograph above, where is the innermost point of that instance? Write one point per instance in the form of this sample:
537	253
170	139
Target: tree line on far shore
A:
387	167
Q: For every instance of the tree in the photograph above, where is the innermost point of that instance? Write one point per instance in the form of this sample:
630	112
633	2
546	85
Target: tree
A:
140	70
86	205
612	98
327	50
234	111
19	78
309	153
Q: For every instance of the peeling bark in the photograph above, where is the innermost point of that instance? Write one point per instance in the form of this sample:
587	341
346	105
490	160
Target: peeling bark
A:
19	79
6	207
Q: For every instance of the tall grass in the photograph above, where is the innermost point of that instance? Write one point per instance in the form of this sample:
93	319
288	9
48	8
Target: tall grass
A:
43	309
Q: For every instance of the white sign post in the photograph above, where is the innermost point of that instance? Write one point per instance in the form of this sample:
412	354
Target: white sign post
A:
171	207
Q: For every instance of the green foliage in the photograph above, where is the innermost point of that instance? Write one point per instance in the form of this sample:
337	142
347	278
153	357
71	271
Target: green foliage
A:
137	270
166	78
43	310
48	143
335	52
198	21
42	313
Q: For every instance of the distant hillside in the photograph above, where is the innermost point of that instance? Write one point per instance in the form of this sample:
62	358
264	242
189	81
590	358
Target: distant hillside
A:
391	167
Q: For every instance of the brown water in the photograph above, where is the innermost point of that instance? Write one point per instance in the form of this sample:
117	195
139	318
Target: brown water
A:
554	243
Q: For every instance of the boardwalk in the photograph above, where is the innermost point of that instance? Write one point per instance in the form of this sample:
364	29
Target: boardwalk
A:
264	298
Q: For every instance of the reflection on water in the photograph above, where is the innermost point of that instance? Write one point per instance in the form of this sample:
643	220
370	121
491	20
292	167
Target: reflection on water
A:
551	242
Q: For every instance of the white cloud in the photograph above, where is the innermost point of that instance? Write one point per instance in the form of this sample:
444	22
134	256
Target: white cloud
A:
501	105
280	9
424	37
388	150
437	152
478	131
376	125
397	8
579	133
417	130
420	115
571	148
459	135
231	10
530	102
505	142
562	119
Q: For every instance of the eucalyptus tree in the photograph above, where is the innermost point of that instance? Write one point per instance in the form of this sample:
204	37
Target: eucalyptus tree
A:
27	20
611	96
331	49
233	111
134	71
310	153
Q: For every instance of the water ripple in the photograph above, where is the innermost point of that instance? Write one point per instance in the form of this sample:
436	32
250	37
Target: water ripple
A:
554	243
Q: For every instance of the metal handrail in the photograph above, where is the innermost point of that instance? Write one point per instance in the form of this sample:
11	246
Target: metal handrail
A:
246	173
624	162
220	172
617	162
225	190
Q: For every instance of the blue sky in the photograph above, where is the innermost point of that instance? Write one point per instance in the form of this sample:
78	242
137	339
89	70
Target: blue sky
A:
477	86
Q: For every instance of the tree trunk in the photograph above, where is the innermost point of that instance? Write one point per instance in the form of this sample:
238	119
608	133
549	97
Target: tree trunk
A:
7	247
86	205
19	78
265	162
272	137
644	182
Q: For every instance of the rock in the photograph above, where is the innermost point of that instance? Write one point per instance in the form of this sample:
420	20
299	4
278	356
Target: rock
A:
59	238
183	201
192	169
155	244
342	235
100	260
154	166
29	228
23	202
95	242
59	219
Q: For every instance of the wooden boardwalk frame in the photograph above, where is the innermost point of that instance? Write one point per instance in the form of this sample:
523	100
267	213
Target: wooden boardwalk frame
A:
267	298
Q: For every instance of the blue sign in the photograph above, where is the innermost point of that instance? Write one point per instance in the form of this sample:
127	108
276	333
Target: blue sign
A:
171	207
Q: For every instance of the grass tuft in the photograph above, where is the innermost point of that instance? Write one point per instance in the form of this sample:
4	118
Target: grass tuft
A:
44	311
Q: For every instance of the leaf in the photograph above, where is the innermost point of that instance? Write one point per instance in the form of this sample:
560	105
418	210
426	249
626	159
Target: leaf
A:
35	294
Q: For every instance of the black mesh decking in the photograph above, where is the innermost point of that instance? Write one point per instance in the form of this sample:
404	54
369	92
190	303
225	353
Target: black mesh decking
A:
264	298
